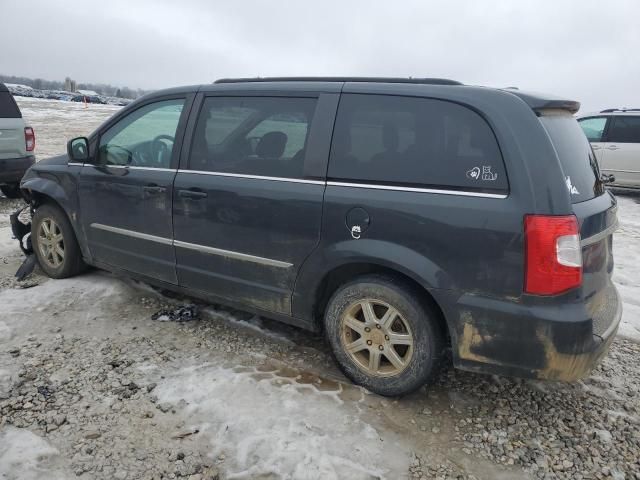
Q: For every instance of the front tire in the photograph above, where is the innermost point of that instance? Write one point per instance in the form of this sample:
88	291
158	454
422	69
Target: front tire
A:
384	336
55	244
11	191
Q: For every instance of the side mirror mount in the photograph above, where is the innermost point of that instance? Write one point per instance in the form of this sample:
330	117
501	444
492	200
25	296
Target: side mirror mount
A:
78	149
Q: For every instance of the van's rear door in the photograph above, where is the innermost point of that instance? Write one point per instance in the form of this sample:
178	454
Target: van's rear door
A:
12	143
596	210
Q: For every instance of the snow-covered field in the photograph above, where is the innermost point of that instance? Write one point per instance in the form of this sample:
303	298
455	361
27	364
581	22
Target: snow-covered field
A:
626	252
91	387
55	122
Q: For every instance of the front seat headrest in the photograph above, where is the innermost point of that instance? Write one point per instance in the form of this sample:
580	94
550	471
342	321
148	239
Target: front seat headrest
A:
272	145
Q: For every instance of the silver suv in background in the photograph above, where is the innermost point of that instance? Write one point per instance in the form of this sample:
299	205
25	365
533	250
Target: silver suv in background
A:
615	138
17	143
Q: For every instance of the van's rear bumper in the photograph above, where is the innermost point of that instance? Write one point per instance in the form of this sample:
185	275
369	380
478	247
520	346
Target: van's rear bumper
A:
562	341
13	169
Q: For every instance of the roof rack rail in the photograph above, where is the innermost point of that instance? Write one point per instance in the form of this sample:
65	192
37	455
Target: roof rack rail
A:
426	81
610	110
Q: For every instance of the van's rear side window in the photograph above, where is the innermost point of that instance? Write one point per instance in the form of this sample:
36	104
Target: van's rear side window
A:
417	142
8	106
576	157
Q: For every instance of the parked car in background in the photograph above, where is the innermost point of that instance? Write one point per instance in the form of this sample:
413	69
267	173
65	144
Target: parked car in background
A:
401	217
615	138
17	143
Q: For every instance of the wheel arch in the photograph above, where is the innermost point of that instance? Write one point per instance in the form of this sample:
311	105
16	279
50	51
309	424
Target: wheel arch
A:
39	191
342	274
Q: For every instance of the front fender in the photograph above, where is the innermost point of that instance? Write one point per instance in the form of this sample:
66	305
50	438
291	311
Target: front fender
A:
47	187
58	185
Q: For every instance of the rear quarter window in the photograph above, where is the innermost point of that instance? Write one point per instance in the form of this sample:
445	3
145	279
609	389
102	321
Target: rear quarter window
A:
417	142
579	166
8	106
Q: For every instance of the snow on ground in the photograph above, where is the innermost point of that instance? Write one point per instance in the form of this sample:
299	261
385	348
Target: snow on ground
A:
25	456
56	122
282	428
626	254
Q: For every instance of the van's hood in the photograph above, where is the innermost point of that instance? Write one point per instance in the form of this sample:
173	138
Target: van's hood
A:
57	160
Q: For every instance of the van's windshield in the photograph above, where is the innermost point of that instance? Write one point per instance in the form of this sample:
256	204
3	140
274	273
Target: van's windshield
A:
578	162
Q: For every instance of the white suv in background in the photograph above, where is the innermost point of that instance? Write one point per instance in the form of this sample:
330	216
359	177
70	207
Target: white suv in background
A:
17	142
615	137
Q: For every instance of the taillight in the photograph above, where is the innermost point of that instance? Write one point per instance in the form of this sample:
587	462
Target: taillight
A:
29	139
553	254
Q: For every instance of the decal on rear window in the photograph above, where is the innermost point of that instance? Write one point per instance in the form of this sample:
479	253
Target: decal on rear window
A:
572	190
487	174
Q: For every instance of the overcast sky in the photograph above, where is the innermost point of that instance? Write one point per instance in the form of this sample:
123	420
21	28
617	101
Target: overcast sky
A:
583	49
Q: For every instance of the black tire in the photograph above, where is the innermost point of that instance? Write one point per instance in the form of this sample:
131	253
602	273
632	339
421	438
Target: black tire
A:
11	191
419	317
72	263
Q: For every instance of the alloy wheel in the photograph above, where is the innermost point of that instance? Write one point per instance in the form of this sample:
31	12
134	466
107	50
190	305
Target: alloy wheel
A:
376	337
51	243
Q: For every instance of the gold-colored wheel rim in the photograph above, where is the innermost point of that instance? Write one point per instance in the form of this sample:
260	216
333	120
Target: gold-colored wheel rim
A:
376	337
51	243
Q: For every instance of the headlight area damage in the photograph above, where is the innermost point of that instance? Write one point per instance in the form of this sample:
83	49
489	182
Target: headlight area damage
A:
22	232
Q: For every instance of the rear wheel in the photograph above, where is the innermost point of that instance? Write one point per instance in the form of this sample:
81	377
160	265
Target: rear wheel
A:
383	335
11	191
55	244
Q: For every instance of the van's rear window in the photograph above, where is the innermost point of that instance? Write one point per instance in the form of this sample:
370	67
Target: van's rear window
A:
581	173
8	106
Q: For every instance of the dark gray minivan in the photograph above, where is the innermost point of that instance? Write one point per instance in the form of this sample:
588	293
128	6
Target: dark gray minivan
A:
401	216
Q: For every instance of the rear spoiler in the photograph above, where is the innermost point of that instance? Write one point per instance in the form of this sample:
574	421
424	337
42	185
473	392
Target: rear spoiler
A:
539	101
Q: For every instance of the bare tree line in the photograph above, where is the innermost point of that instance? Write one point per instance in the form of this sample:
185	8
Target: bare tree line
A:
70	85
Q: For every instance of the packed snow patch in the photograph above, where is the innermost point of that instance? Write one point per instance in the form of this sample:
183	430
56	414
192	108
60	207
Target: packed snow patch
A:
626	275
5	332
26	456
278	428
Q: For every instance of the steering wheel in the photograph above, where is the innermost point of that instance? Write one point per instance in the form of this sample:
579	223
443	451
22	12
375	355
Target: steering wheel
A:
159	149
118	151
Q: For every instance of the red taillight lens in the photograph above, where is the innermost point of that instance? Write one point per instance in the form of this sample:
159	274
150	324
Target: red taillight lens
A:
29	139
553	254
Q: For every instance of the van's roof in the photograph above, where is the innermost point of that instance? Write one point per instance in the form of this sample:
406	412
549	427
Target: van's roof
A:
424	81
380	85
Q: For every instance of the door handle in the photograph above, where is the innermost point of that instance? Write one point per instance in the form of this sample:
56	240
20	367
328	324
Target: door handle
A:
596	147
154	189
192	194
613	147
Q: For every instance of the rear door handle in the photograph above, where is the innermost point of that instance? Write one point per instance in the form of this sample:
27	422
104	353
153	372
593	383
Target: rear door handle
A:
154	189
613	147
192	194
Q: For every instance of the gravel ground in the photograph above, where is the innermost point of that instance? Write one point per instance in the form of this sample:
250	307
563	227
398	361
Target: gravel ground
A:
91	387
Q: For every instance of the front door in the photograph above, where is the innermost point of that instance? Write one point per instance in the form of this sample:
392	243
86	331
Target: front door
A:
248	204
126	191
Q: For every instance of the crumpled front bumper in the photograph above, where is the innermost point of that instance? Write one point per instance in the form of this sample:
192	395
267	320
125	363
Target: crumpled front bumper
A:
21	231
